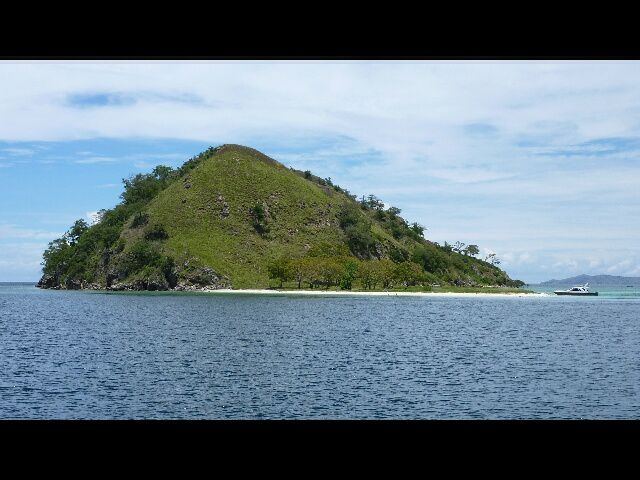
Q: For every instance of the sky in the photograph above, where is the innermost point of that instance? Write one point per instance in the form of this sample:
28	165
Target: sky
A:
535	161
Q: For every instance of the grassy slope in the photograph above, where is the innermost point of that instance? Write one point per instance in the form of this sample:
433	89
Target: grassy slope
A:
301	214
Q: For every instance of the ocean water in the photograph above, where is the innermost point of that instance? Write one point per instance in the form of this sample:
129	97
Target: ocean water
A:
94	355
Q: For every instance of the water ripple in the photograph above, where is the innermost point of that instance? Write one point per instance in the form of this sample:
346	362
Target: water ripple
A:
93	355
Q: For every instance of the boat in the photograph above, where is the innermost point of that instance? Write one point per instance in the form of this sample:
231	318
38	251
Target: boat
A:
581	291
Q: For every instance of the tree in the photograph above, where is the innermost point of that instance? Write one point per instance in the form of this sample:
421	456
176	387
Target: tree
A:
349	274
330	271
458	247
357	229
370	273
143	187
394	211
259	216
386	272
162	173
56	256
398	255
307	174
359	239
312	271
431	260
97	216
435	262
396	229
317	271
407	273
280	269
373	202
472	250
492	259
298	269
417	229
396	225
76	231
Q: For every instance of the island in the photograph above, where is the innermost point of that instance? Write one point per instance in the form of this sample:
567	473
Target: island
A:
594	281
234	218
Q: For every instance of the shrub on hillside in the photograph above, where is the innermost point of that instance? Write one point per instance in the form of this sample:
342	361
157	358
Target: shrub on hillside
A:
139	219
259	217
357	229
155	232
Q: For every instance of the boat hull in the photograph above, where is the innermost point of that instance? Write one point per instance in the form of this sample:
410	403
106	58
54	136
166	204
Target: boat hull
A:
578	294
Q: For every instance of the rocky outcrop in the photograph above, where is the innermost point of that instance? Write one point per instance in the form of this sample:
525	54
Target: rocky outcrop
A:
201	278
223	206
140	285
187	278
48	281
73	284
465	282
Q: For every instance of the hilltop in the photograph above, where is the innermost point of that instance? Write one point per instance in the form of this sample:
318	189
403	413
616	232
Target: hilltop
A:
595	280
232	217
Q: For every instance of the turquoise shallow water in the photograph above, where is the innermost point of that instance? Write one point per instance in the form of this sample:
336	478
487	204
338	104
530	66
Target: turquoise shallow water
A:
620	293
97	355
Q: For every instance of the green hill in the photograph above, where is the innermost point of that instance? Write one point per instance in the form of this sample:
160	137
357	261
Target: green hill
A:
233	217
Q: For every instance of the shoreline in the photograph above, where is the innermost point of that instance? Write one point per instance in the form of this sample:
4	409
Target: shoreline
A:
321	293
317	293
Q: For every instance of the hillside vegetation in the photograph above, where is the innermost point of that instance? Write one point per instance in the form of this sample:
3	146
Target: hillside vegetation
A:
232	217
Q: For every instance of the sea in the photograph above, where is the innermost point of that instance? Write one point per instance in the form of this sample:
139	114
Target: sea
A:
107	355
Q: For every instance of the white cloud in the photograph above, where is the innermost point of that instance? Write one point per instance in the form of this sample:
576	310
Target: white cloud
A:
468	175
423	104
595	262
138	159
92	217
143	165
12	232
619	267
21	252
635	271
18	152
91	160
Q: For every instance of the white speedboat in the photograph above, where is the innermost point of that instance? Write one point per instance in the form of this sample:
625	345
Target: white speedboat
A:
582	291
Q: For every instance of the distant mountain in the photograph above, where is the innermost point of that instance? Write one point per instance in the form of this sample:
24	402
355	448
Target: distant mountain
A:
595	280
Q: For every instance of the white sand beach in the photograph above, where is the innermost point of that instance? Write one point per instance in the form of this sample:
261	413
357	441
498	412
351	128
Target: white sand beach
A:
334	293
